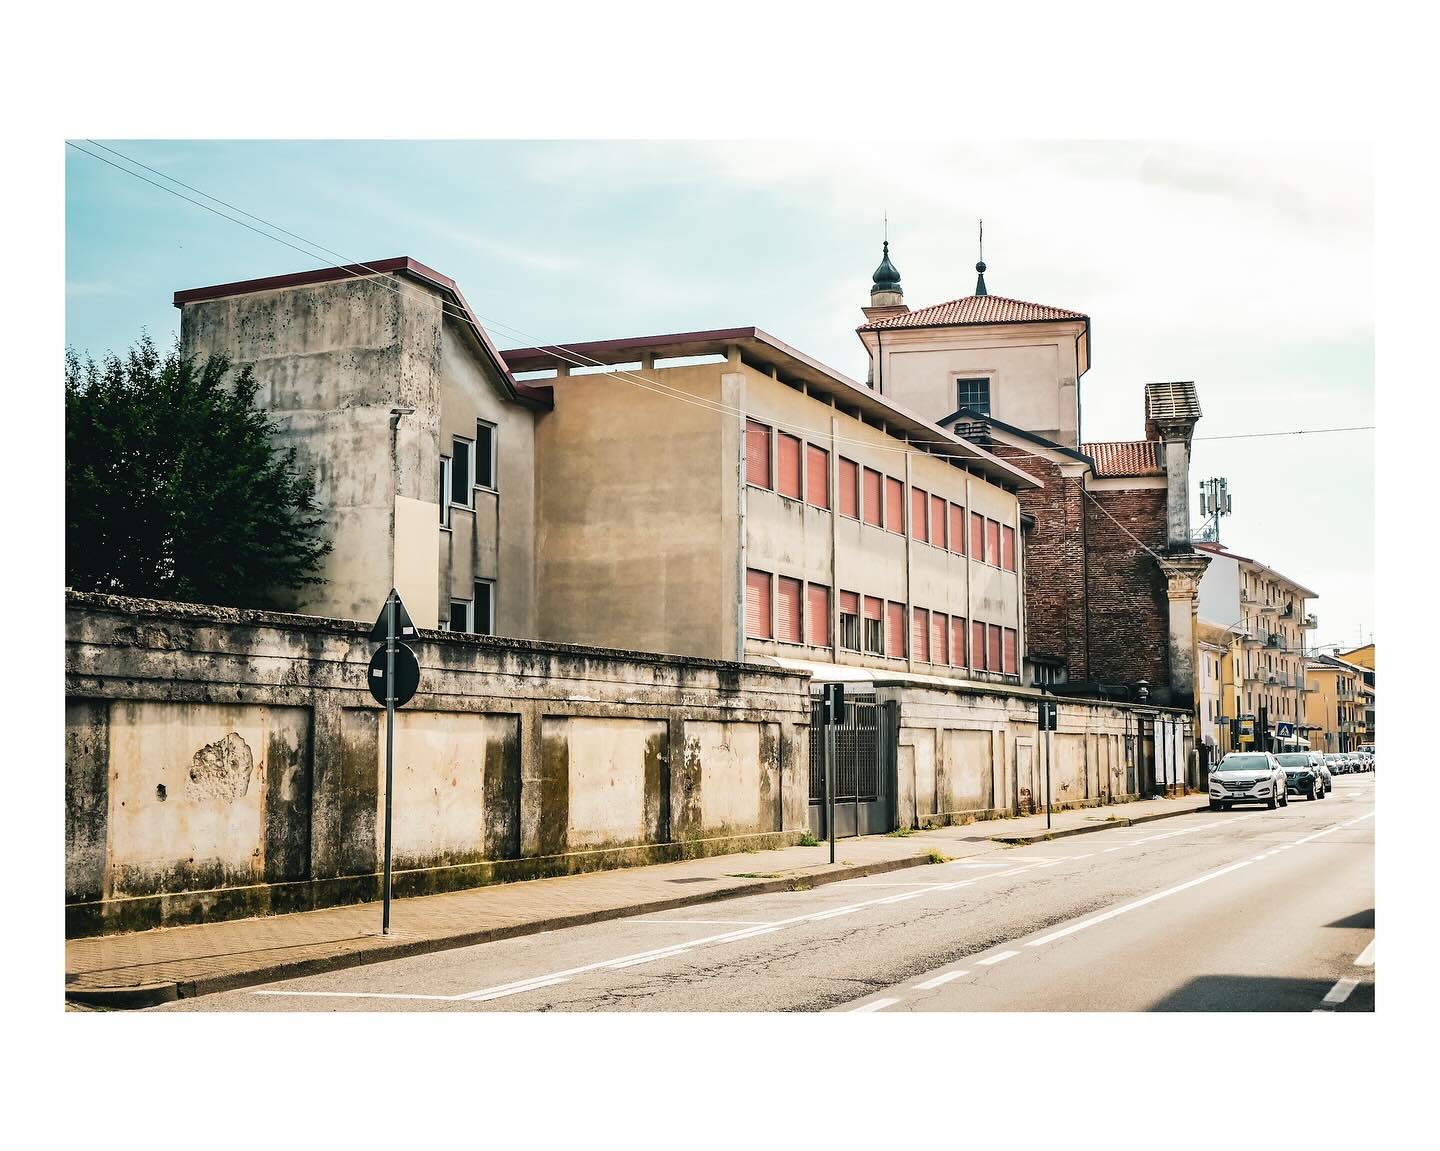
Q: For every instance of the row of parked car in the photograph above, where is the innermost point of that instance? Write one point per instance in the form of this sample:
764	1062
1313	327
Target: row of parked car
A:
1264	777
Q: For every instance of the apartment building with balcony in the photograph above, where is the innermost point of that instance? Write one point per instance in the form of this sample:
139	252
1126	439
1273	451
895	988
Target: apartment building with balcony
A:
1267	612
1335	704
712	493
1364	657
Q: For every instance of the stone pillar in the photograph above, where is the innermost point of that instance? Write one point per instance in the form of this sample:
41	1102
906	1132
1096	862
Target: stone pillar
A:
1177	475
1183	574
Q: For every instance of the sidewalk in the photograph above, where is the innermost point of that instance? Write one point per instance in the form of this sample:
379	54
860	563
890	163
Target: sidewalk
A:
148	967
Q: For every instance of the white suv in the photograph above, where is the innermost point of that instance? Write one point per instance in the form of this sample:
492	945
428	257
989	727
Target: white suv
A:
1248	777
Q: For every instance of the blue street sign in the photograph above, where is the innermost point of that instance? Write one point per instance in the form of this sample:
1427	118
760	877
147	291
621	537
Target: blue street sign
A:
1284	730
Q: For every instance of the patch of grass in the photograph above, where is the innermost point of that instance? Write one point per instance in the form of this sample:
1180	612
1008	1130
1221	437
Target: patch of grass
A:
799	885
754	875
900	832
808	840
936	857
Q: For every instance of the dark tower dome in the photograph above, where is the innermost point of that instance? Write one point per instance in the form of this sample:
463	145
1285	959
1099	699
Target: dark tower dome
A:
887	276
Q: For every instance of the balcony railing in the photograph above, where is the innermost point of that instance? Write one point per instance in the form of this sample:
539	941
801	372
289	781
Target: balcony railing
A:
1309	622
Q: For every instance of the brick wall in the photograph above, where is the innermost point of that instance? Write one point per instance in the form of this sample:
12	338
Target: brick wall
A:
1054	564
1129	609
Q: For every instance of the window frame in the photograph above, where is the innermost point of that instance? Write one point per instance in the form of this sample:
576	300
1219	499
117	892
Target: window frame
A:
960	400
769	617
777	478
812	451
855	489
446	481
769	456
782	582
489	586
494	438
469	610
468	484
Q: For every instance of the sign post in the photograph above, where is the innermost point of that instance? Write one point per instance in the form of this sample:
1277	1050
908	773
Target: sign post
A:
394	676
1047	718
832	712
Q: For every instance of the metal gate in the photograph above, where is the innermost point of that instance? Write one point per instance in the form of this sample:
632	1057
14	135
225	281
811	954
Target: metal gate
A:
865	756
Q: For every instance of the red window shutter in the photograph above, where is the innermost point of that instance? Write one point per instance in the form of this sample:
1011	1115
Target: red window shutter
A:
817	622
992	543
849	603
920	635
894	506
917	514
939	638
817	476
957	640
757	604
993	662
1010	651
848	482
1007	548
957	529
977	536
787	610
895	630
977	645
757	454
787	465
871	509
937	521
874	608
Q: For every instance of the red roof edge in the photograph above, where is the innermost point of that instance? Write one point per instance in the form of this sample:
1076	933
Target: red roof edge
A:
403	265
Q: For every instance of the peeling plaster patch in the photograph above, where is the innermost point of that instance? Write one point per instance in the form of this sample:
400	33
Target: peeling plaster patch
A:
221	770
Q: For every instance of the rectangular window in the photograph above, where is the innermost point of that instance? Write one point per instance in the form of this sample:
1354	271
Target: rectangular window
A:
1010	651
977	536
895	630
870	509
918	504
920	635
817	618
459	615
850	621
817	477
957	529
939	637
894	506
992	543
937	521
788	598
462	471
993	657
848	483
787	465
1007	548
977	645
874	625
757	604
445	491
974	394
757	454
957	640
485	455
484	621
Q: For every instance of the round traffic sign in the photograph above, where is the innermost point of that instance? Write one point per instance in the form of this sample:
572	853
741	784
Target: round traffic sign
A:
407	675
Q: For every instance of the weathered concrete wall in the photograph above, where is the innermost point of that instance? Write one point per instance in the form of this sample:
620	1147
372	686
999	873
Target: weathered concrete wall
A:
226	763
973	751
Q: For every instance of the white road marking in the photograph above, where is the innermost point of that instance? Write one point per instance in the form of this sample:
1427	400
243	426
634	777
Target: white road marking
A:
1341	991
876	1005
648	959
959	864
1004	955
709	922
931	984
515	990
356	995
1367	957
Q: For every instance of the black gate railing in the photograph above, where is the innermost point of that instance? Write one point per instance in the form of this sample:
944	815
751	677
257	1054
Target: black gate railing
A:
857	751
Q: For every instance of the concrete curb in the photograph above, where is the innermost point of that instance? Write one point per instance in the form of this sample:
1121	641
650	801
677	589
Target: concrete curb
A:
1020	840
151	995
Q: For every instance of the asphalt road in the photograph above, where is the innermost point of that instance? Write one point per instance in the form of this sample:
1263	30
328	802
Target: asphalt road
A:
1246	910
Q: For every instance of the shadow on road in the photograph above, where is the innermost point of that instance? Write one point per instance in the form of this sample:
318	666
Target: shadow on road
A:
1257	993
1365	919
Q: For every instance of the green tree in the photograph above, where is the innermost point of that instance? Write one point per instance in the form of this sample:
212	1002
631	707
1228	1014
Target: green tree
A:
174	485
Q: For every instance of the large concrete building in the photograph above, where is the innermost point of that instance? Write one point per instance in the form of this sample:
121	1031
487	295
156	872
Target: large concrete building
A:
1335	704
752	505
1111	577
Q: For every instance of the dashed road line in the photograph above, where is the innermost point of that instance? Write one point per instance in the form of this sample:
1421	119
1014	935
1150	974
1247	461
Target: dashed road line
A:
1367	957
1004	955
1341	991
874	1005
939	980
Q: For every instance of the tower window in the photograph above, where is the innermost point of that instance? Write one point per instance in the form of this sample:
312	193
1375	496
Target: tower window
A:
973	394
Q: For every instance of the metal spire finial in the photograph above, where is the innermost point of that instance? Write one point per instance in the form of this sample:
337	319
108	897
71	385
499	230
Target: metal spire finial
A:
980	265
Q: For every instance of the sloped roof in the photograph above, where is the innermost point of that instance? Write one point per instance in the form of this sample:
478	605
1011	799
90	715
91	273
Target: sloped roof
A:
975	310
1125	458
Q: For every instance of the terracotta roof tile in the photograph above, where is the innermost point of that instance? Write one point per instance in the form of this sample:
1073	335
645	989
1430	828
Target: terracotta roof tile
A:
975	310
1125	458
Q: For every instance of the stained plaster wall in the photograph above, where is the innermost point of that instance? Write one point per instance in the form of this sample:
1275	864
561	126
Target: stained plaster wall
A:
225	763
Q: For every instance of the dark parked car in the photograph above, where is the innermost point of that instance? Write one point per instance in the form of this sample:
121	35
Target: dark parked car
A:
1302	777
1318	759
1248	777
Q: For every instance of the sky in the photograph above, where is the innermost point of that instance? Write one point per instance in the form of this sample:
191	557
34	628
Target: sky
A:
1246	267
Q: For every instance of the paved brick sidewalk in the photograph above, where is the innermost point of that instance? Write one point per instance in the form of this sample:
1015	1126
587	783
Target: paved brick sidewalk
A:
146	967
